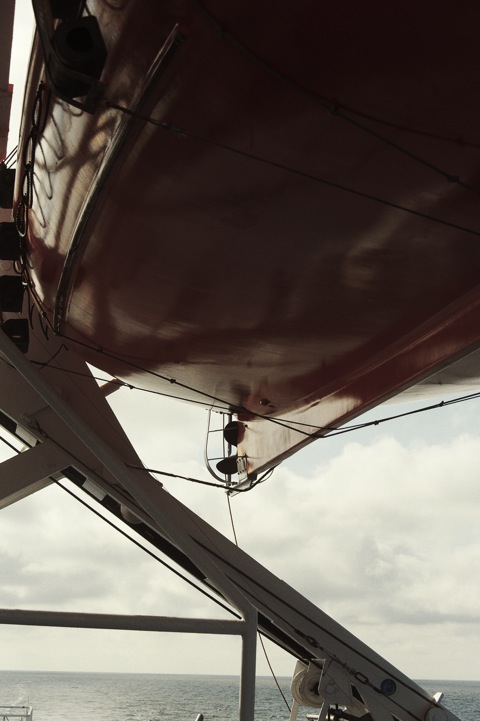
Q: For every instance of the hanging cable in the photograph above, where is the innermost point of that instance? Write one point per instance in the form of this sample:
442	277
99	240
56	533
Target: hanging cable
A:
229	490
339	110
175	475
147	551
133	540
183	132
258	632
123	533
229	502
330	431
273	672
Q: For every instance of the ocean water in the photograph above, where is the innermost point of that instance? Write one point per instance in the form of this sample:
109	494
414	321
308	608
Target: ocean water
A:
158	697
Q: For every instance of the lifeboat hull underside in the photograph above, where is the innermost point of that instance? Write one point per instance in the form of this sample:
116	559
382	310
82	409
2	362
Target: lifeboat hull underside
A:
297	237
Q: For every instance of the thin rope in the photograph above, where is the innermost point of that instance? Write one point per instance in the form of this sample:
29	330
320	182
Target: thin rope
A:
258	632
331	431
182	132
146	550
332	107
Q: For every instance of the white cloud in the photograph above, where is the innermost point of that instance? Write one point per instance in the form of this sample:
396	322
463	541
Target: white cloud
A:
383	535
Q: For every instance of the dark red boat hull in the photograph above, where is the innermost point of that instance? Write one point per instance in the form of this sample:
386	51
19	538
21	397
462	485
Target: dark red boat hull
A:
299	240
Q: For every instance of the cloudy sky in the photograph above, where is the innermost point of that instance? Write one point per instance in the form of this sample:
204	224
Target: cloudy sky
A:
379	527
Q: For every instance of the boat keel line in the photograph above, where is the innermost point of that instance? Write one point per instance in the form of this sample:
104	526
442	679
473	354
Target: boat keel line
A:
335	667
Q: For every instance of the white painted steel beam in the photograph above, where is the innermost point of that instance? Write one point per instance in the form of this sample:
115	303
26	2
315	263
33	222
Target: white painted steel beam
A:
245	583
30	471
148	493
119	622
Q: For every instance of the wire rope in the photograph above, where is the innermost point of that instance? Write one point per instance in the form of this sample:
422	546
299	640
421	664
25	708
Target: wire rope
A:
274	676
331	431
336	109
183	132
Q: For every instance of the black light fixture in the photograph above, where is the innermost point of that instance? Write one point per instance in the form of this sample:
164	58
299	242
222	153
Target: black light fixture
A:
17	330
231	432
74	52
9	242
11	293
81	55
228	466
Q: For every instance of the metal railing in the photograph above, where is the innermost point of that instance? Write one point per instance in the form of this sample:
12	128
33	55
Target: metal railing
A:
16	712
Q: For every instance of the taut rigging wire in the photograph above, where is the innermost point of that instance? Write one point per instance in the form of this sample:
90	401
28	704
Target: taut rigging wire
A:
146	550
133	540
337	109
155	471
258	632
182	132
331	431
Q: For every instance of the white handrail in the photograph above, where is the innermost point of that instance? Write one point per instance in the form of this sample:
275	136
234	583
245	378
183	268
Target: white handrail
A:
16	712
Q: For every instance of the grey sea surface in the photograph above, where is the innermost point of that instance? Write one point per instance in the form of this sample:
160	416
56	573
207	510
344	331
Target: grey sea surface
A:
158	697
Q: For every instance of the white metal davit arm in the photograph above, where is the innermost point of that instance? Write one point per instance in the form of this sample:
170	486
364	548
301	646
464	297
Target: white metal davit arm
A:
336	672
